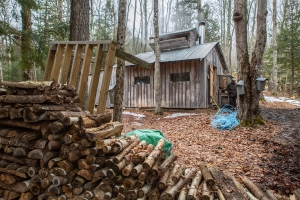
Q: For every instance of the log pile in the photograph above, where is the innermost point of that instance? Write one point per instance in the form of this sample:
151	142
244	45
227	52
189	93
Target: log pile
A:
51	149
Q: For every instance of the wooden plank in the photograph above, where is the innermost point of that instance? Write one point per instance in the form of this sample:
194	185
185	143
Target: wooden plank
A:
93	43
184	85
163	84
106	78
132	59
57	62
95	79
66	64
126	86
49	63
195	95
211	82
85	70
142	88
131	86
188	86
75	65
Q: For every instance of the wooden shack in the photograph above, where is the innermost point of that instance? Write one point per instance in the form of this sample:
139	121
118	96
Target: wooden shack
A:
189	73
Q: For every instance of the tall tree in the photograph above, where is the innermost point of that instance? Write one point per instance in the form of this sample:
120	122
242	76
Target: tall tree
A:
79	20
133	30
119	90
274	78
157	81
248	104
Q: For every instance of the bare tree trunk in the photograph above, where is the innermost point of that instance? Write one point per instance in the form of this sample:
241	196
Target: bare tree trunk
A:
162	17
248	104
79	20
274	78
59	10
142	25
252	37
119	91
157	86
133	29
169	6
228	35
146	26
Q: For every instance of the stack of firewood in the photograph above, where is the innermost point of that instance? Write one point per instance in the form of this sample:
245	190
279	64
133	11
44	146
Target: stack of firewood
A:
51	149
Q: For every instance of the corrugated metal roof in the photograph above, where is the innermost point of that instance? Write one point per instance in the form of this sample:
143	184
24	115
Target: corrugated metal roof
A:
195	52
177	32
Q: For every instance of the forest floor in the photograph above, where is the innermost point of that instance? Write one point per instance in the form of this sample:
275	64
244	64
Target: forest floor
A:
268	154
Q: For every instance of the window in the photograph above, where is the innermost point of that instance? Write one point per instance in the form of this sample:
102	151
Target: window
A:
142	80
180	77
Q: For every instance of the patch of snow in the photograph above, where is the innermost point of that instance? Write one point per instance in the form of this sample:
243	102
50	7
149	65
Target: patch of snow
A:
137	124
134	114
282	99
179	115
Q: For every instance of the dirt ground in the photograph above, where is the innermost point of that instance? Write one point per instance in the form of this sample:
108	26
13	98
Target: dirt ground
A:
268	154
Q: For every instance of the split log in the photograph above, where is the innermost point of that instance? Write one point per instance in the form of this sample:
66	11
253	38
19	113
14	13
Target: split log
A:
13	133
225	184
89	120
13	166
139	184
121	155
101	173
66	165
10	179
85	173
49	107
77	190
52	137
64	115
3	163
56	127
54	145
85	143
24	99
57	171
107	142
20	151
8	194
14	172
190	173
43	173
49	155
35	154
119	179
154	169
256	191
54	162
82	164
60	180
78	181
162	184
30	136
34	188
32	171
91	159
45	184
89	194
206	174
131	194
26	196
67	139
104	131
20	160
142	176
16	113
192	194
74	156
54	190
110	174
4	112
151	159
120	197
167	163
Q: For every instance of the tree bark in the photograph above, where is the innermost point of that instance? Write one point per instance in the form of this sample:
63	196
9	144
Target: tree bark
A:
254	189
248	104
274	78
79	20
157	80
192	194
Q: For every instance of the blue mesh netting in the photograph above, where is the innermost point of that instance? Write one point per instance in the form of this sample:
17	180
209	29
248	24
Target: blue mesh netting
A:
225	118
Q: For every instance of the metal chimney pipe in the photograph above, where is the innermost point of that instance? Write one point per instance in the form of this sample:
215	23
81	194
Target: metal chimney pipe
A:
201	32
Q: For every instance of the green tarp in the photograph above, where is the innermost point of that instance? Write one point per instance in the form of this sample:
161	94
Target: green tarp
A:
151	137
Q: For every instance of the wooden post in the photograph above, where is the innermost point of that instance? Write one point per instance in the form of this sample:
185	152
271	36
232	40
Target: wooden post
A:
66	64
75	65
95	79
57	62
106	77
85	73
49	63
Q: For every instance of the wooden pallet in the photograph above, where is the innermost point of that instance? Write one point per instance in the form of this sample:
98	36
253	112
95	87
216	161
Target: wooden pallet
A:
60	62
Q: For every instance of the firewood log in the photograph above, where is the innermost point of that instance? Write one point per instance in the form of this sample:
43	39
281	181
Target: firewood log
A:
20	160
104	131
151	159
82	164
85	143
66	165
34	188
94	120
17	142
120	197
142	176
62	197
42	196
4	112
182	194
101	172
220	194
192	194
57	171
8	194
54	145
59	180
119	167
49	155
52	137
125	151
136	170
67	139
30	136
49	107
26	196
225	184
205	192
74	156
30	84
54	162
107	142
63	115
10	179
43	173
143	191
3	163
77	190
56	127
13	166
167	163
45	184
85	173
127	170
32	171
23	99
54	190
20	151
129	183
89	194
19	187
139	184
152	179
162	184
94	167
121	144
154	169
16	113
110	174
8	149
13	133
256	191
206	174
36	154
190	173
78	181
